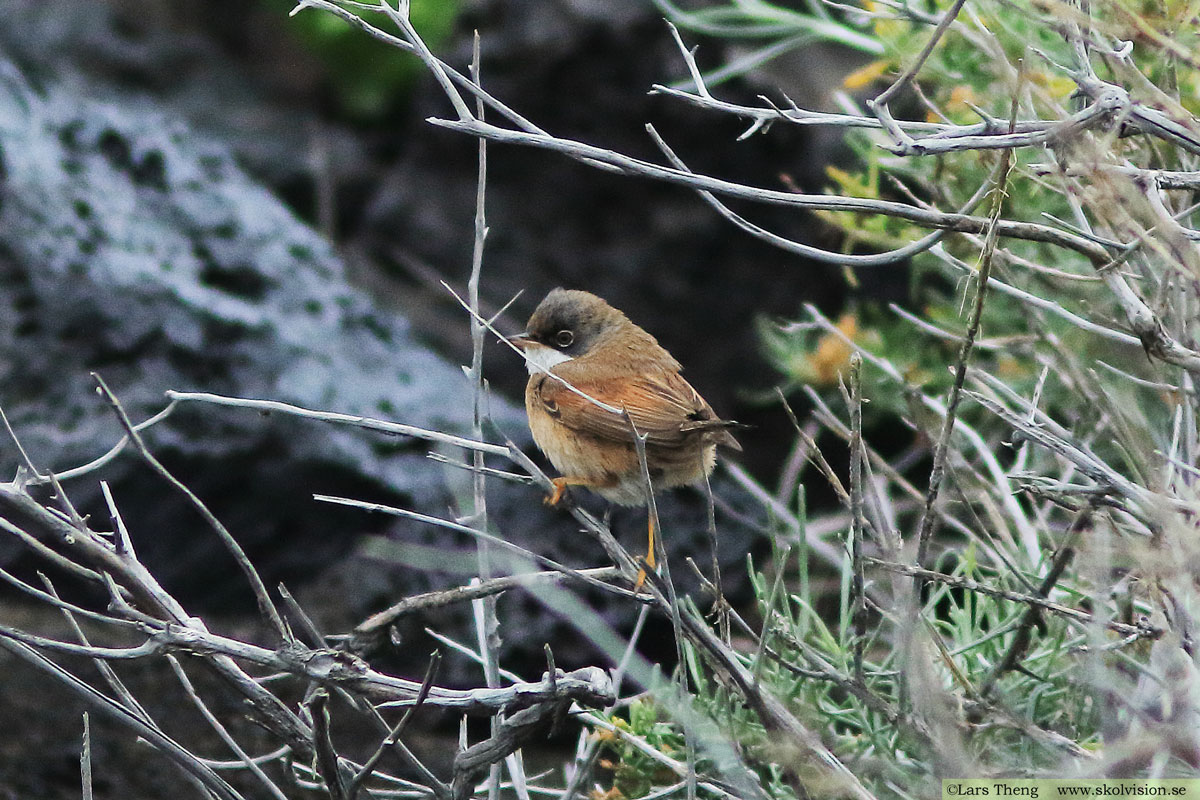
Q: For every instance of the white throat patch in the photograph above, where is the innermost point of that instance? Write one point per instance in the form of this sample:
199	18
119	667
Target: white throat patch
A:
539	358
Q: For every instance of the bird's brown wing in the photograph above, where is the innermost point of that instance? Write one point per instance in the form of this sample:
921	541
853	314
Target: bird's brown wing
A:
663	406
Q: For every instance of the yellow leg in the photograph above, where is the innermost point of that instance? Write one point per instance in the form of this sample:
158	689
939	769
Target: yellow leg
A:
651	557
555	497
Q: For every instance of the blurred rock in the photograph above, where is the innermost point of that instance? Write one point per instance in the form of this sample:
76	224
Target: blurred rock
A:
148	156
133	245
262	112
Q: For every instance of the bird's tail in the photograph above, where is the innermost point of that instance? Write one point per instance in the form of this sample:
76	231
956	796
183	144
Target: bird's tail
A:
718	431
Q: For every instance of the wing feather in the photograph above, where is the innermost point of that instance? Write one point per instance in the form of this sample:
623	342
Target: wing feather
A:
663	406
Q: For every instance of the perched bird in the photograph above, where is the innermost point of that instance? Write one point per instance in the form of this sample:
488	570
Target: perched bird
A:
583	355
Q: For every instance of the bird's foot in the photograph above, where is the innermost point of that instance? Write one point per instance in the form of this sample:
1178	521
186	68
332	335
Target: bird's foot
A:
648	563
555	497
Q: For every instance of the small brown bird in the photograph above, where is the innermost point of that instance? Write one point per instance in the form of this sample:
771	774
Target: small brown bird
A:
577	338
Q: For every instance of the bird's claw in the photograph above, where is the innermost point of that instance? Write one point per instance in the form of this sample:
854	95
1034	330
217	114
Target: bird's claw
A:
555	497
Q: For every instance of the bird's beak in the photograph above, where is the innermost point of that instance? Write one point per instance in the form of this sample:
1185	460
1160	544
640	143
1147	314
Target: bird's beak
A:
520	341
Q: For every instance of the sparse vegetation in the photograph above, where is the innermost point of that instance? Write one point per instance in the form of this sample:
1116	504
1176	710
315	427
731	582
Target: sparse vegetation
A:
1013	593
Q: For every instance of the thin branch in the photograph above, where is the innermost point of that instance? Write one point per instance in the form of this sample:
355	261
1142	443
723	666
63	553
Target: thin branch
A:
107	707
55	558
1144	629
368	767
327	763
486	622
858	611
85	759
110	676
1162	178
265	606
928	517
807	250
1041	303
113	452
394	428
222	731
1022	636
502	543
368	633
961	223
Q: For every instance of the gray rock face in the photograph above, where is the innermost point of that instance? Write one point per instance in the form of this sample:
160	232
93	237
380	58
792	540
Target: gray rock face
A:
134	247
131	246
132	243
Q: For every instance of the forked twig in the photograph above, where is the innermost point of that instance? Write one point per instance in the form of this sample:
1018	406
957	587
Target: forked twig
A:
265	606
928	517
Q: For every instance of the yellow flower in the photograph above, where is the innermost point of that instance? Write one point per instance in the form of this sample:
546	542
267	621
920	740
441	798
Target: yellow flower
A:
960	96
605	735
832	355
865	76
850	183
1008	366
1059	86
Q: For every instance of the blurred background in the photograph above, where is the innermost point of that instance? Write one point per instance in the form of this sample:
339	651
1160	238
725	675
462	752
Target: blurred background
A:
219	197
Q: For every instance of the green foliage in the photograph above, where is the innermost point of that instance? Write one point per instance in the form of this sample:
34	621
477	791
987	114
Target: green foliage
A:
973	679
634	772
368	76
774	28
963	78
809	662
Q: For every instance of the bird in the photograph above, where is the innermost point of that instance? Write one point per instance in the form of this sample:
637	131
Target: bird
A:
593	372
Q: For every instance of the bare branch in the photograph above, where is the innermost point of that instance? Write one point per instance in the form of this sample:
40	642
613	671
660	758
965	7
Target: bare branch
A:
961	223
395	428
265	606
928	518
171	749
368	633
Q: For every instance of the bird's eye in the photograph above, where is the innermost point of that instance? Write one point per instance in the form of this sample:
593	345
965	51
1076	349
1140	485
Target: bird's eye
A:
564	338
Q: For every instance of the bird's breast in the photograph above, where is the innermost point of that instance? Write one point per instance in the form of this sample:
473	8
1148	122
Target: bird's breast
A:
572	452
